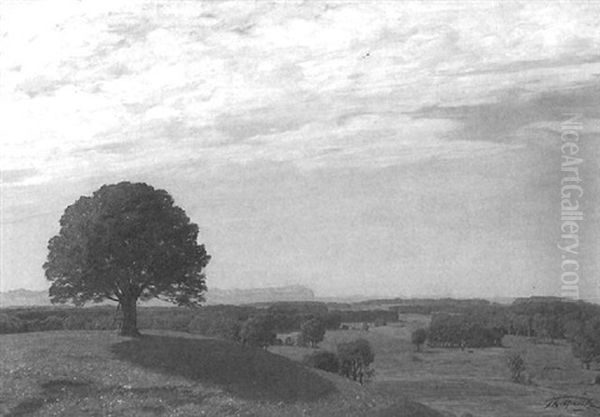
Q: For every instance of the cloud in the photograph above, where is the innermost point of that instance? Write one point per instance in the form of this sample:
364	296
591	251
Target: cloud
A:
310	84
15	176
528	65
500	121
39	86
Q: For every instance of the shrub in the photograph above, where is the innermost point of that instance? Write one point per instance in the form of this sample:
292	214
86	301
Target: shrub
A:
516	366
324	360
355	360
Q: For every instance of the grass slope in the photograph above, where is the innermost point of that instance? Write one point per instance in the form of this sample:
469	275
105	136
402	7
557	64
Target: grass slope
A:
97	373
473	381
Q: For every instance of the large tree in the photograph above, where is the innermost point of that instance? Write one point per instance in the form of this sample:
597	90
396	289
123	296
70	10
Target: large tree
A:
126	242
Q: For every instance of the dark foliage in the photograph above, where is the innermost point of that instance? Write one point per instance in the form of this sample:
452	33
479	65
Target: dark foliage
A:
313	331
286	317
370	316
11	324
585	340
49	323
447	305
460	330
418	337
516	366
324	360
257	331
356	358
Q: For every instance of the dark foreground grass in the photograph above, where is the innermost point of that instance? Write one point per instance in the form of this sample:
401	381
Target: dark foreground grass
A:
246	372
98	373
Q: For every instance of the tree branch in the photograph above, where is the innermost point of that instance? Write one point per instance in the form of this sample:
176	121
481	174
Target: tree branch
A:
107	295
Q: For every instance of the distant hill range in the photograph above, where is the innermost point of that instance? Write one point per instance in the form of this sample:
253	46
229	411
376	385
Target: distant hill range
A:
260	295
17	298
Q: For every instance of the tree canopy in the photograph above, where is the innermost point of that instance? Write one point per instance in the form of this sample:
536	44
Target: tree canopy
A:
418	337
355	359
257	331
313	331
127	241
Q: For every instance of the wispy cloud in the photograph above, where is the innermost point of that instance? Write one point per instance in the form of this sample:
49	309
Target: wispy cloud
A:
501	121
16	176
313	80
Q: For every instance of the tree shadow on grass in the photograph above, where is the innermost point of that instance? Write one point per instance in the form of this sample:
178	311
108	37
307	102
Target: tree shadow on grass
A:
246	372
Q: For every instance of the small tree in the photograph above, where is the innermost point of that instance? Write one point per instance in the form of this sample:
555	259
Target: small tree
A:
126	242
585	350
418	337
355	360
516	366
585	341
257	331
313	331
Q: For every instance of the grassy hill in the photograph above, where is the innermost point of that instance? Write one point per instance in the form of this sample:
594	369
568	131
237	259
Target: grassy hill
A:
97	373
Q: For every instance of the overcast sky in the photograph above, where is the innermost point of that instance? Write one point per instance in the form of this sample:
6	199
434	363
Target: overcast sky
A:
372	148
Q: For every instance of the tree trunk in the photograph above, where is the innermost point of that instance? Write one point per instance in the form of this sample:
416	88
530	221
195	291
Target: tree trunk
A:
129	323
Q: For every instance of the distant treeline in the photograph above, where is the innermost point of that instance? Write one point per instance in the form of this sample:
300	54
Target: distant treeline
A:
428	306
480	324
218	321
459	330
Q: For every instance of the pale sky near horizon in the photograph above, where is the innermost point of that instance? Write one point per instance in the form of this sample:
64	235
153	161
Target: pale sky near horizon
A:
370	148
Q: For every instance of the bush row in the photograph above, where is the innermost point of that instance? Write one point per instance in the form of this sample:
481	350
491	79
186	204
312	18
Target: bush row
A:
217	321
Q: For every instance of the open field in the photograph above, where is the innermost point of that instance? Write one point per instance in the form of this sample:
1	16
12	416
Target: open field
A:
97	373
475	380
